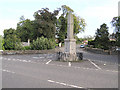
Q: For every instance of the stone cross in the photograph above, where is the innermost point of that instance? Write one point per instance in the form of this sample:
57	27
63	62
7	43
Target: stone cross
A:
70	42
70	24
69	53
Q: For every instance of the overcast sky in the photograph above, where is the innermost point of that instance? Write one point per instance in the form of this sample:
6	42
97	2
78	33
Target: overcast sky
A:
95	12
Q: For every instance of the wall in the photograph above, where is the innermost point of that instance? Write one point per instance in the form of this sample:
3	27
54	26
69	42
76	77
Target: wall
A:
12	52
100	51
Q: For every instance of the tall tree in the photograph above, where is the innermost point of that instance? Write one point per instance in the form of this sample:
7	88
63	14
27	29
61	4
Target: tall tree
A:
79	23
25	30
61	28
116	23
46	22
101	39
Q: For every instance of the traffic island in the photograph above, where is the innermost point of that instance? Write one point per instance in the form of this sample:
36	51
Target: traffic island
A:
62	56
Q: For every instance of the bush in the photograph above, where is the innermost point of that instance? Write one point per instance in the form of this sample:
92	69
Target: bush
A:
3	44
11	42
26	48
18	46
43	44
91	42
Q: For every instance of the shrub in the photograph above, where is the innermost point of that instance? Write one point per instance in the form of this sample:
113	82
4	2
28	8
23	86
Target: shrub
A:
11	42
91	42
3	44
43	44
18	46
27	48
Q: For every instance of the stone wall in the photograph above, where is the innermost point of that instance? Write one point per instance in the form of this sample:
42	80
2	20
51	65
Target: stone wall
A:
63	56
100	51
12	52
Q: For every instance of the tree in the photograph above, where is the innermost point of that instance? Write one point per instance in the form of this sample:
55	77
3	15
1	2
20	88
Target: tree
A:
25	29
11	40
46	22
101	39
61	28
1	40
79	24
116	23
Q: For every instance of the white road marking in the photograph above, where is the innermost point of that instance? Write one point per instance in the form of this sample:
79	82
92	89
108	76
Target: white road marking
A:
9	59
35	57
41	57
8	71
38	57
24	61
14	60
48	62
111	71
61	83
69	64
20	60
29	60
94	64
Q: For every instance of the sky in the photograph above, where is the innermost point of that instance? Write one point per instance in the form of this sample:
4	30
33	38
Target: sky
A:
95	12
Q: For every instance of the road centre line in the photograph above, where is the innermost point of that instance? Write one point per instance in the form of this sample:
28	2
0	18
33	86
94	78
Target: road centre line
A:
61	83
38	57
94	64
48	62
4	70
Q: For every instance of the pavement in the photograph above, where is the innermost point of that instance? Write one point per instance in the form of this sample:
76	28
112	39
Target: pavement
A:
43	71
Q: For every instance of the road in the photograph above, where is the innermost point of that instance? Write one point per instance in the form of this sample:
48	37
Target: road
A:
42	71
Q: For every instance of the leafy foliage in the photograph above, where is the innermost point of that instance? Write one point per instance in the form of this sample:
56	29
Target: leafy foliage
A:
62	28
45	22
101	39
11	41
116	23
43	44
1	42
79	24
25	30
66	9
46	25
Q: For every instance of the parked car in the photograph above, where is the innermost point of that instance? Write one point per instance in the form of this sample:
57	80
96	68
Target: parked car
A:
82	46
117	49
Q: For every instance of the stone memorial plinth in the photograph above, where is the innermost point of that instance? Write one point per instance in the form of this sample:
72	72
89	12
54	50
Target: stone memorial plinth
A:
69	53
